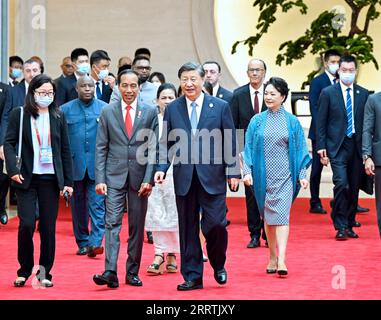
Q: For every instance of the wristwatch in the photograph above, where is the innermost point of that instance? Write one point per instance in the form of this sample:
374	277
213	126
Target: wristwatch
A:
365	157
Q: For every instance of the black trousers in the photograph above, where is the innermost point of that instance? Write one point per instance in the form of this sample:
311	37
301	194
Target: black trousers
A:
254	221
346	167
213	226
4	186
315	177
44	190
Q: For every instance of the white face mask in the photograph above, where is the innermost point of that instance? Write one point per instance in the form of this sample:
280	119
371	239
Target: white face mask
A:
332	68
44	102
83	68
103	74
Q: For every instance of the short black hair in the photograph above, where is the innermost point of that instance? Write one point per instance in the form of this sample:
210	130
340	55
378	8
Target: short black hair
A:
214	62
191	66
140	51
98	55
166	86
208	87
157	74
15	59
78	52
138	58
127	71
279	84
30	104
331	52
349	59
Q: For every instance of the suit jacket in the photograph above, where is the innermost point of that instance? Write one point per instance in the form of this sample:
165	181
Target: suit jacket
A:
220	151
332	118
242	107
82	120
317	85
106	92
4	98
66	90
371	136
60	148
224	94
117	156
18	94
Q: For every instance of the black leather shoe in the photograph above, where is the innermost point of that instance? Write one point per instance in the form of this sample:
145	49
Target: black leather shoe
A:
93	251
190	285
357	224
341	235
108	278
133	280
149	237
318	209
221	276
254	243
82	251
361	209
3	218
352	234
227	222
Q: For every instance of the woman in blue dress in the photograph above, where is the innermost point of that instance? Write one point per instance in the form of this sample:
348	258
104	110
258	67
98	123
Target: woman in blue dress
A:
276	159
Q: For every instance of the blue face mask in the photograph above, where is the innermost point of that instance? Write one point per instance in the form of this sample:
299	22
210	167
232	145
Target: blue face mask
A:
347	77
16	73
103	74
83	68
332	68
44	102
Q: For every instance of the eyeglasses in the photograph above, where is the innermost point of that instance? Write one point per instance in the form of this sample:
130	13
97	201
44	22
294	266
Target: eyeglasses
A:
68	66
257	70
44	94
143	68
186	80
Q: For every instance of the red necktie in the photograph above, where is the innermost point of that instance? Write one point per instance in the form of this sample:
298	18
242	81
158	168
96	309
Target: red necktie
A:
128	122
256	103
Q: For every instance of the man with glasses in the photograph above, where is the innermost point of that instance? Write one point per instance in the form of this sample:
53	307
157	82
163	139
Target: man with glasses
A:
339	142
247	101
67	68
147	90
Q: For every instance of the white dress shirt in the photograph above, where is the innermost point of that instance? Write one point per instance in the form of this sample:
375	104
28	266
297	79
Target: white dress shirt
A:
199	101
132	110
260	96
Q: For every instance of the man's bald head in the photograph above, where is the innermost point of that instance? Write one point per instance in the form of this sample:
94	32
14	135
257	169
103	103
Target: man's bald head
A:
85	88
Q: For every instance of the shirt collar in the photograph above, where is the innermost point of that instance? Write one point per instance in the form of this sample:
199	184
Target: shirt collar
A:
133	105
215	89
344	87
252	90
199	101
330	76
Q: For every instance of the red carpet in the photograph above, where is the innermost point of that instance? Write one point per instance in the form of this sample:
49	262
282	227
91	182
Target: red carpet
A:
313	261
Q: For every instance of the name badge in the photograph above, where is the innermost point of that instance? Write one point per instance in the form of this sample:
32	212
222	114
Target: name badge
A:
46	155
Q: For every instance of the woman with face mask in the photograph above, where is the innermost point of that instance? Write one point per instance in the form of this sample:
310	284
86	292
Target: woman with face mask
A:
45	172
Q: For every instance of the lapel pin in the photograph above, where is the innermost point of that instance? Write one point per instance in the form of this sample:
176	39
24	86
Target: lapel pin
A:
1	90
139	114
220	95
357	91
211	105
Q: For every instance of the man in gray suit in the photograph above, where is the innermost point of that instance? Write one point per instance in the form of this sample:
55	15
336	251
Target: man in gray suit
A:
124	166
371	145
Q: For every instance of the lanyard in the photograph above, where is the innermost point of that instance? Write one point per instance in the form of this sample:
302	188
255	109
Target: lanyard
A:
38	134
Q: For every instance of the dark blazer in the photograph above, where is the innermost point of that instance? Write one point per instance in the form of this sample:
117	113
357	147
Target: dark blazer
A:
18	94
224	94
4	113
371	136
66	90
215	115
317	85
60	147
106	93
242	107
332	118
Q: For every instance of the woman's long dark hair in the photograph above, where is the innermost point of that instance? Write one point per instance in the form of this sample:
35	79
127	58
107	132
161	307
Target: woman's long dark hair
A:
31	106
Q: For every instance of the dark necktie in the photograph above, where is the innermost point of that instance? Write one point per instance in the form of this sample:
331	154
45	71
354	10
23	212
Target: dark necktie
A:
98	91
128	122
15	82
256	103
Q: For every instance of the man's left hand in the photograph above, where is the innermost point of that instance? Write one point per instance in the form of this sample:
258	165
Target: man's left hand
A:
111	81
145	190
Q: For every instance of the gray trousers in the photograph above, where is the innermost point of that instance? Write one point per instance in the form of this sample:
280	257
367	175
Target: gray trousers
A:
137	209
377	181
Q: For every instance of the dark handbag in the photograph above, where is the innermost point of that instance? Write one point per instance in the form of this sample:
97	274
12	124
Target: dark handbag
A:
18	156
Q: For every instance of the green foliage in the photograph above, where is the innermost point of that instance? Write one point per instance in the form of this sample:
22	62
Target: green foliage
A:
324	32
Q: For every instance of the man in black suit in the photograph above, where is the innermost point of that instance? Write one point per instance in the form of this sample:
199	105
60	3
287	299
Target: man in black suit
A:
213	75
339	141
246	102
67	68
104	82
66	87
4	180
325	79
15	70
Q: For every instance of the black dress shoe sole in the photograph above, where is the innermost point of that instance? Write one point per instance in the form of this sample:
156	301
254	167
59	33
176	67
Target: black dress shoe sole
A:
182	288
101	282
282	273
341	238
269	271
137	284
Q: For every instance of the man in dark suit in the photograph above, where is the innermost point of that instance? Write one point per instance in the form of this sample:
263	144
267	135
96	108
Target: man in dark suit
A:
205	159
4	180
124	167
15	70
66	87
325	79
104	82
246	102
371	146
213	75
67	68
339	141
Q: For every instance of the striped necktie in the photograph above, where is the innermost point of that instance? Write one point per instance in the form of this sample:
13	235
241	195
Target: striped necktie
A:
349	114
